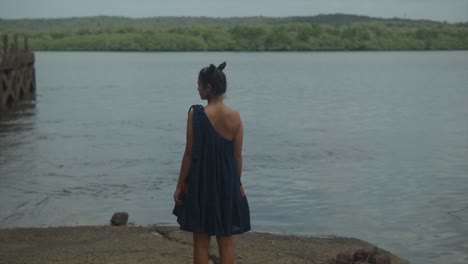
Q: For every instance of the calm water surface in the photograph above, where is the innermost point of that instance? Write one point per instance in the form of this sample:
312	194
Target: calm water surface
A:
368	145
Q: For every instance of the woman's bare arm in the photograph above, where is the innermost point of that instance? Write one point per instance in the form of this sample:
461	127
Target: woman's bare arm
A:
186	159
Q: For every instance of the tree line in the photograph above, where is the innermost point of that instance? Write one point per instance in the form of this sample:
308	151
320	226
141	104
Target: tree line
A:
342	32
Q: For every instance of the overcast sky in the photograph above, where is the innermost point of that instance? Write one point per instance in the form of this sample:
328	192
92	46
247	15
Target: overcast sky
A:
441	10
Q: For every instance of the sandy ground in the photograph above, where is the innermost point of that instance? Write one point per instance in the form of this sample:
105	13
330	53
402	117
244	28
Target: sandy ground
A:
161	244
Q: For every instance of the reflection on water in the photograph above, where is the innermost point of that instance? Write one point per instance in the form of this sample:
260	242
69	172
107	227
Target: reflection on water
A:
367	145
21	111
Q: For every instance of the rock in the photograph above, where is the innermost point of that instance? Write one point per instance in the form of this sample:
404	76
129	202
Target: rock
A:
382	259
344	258
119	218
363	255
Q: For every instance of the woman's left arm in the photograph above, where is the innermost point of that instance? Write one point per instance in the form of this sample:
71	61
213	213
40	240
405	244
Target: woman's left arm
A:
237	142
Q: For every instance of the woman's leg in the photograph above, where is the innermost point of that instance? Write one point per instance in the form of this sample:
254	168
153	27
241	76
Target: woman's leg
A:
201	248
226	249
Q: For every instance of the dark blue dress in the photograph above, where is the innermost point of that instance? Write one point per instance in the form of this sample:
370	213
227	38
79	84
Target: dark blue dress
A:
212	202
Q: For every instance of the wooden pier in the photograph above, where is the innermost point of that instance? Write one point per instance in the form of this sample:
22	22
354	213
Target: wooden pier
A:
17	74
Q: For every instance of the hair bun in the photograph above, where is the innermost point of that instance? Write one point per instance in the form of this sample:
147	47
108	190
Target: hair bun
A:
222	66
212	68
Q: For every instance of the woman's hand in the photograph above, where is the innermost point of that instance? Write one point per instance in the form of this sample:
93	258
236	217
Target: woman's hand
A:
242	190
178	194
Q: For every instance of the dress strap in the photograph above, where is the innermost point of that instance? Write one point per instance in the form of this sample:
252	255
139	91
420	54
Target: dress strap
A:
195	107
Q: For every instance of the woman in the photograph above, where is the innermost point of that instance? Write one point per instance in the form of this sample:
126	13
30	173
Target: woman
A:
209	197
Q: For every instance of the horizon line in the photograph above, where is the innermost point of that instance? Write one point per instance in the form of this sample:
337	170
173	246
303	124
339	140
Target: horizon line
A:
230	17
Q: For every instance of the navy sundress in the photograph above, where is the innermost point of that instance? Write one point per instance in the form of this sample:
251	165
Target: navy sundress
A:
212	202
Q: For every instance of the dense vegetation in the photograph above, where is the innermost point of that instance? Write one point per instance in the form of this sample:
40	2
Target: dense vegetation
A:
324	32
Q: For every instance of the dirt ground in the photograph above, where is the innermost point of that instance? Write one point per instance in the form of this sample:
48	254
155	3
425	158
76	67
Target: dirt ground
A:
162	244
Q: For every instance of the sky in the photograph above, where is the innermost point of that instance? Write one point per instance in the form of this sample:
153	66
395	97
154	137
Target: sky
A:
440	10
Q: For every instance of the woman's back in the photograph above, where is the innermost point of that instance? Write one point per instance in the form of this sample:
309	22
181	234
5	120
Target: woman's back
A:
225	120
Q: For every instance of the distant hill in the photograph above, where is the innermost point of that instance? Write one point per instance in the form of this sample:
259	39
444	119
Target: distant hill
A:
306	33
103	22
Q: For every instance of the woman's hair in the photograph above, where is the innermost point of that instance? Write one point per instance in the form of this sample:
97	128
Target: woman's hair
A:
215	76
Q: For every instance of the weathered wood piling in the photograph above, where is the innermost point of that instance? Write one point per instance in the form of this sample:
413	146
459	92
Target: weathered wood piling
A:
17	74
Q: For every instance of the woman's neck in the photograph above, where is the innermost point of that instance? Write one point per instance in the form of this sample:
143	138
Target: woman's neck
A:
214	100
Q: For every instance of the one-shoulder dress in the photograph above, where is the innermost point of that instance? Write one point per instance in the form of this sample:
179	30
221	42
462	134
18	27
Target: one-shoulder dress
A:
212	201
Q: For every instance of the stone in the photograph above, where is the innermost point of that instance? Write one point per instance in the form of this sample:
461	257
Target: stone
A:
382	259
363	255
344	258
119	218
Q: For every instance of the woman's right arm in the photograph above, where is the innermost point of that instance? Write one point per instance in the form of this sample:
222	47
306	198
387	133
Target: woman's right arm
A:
185	167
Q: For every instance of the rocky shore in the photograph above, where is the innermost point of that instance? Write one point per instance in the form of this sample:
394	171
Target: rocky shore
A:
167	244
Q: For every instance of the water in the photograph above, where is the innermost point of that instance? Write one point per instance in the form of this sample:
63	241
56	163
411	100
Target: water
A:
372	145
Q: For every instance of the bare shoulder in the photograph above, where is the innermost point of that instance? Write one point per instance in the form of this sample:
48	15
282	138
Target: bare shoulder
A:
233	114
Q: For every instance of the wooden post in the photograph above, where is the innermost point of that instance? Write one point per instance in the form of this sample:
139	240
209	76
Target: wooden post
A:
17	73
26	44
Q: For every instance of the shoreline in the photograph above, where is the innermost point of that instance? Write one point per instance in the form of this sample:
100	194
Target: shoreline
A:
248	51
164	244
